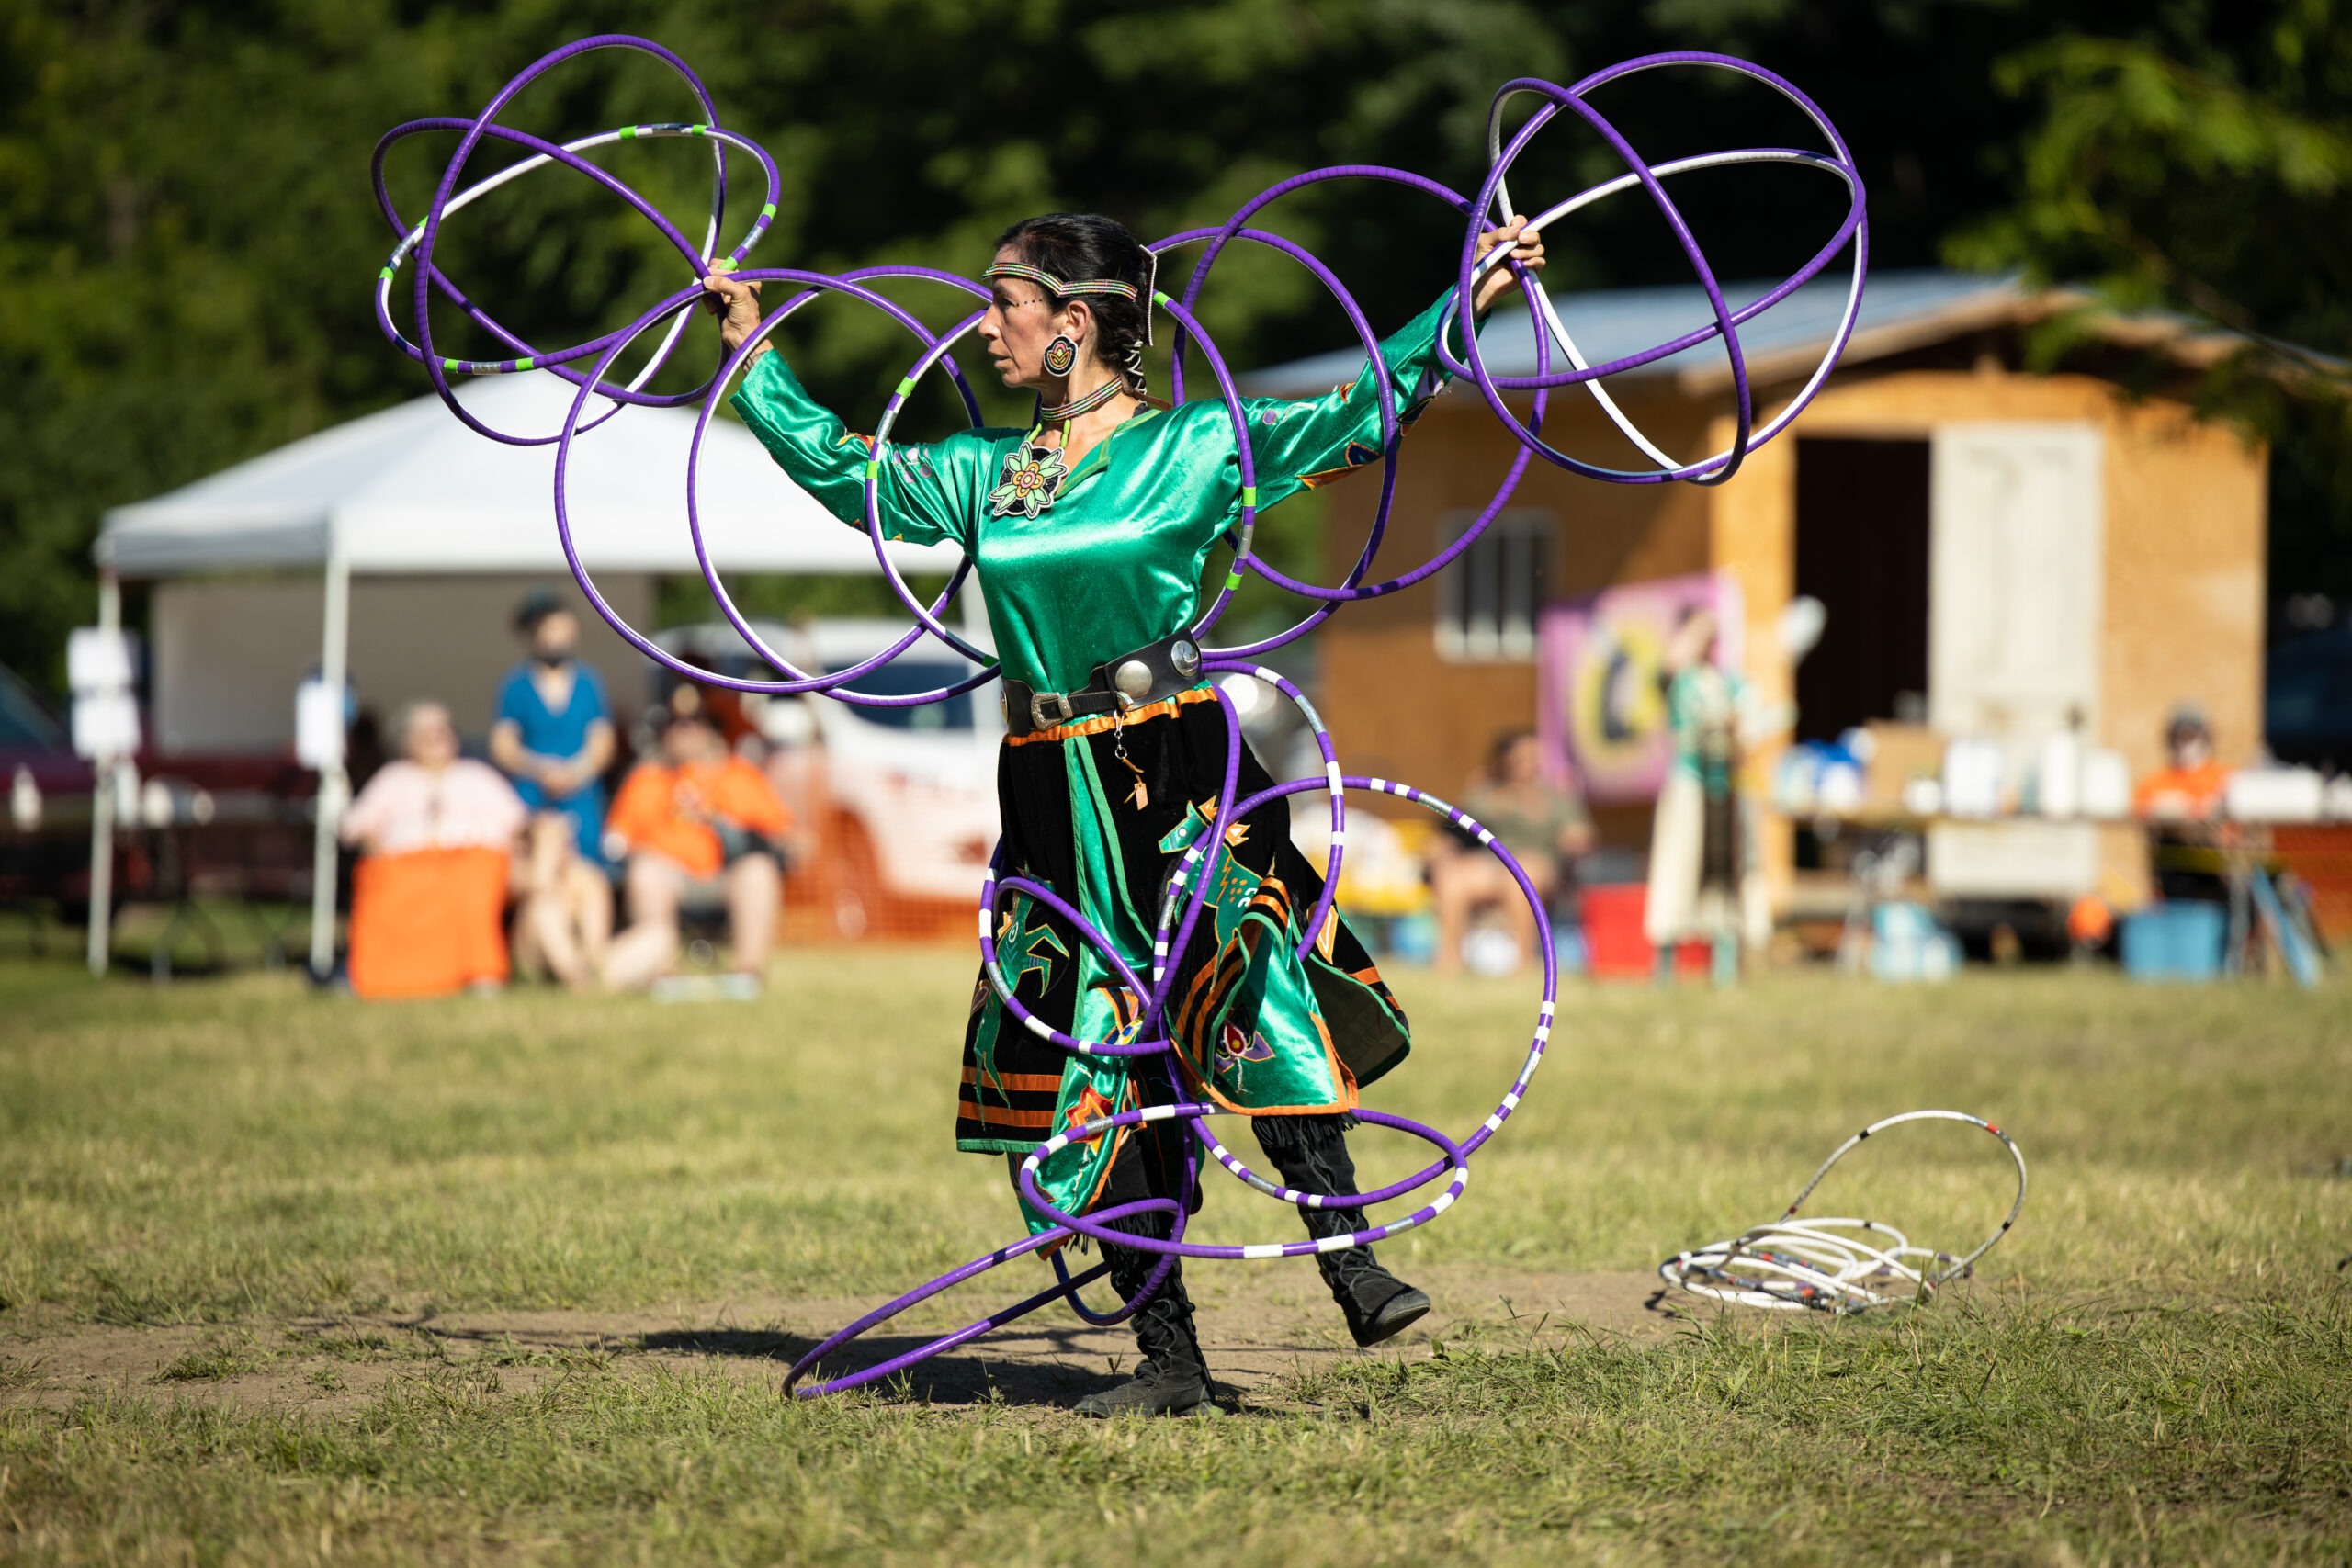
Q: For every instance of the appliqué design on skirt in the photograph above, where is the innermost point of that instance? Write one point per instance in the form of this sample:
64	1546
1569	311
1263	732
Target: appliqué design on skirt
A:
1236	1046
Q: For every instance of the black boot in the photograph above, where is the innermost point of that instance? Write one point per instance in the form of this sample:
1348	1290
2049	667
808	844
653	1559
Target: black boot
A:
1171	1379
1377	1304
1311	1153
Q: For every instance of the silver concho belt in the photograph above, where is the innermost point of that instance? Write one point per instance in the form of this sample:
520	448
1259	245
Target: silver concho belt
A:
1149	674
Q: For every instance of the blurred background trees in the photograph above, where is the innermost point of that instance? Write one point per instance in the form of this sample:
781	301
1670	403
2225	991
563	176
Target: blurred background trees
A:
187	240
2204	165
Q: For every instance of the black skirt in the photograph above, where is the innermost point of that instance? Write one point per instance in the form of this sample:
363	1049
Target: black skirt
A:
1101	814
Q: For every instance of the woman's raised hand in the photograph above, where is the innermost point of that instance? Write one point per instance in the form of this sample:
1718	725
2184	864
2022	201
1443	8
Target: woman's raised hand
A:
737	305
1527	250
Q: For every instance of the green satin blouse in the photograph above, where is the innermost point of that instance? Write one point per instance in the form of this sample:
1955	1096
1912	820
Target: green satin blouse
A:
1114	563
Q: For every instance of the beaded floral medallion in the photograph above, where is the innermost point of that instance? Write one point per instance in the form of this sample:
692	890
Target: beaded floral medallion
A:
1033	477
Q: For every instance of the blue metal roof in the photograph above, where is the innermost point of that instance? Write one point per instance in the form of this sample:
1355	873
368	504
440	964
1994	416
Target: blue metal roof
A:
1899	310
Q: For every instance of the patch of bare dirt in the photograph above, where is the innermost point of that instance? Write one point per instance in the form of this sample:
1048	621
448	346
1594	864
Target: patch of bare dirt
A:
1256	1324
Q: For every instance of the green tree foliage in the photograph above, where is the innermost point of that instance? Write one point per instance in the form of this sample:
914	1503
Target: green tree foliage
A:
182	220
2202	165
187	240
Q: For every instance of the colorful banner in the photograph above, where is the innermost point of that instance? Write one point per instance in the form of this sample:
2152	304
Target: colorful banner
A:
1600	694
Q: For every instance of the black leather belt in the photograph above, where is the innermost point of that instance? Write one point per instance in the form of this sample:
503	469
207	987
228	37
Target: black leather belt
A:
1151	673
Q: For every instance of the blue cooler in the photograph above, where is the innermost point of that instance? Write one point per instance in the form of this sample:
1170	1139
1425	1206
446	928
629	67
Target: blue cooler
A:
2179	941
1906	943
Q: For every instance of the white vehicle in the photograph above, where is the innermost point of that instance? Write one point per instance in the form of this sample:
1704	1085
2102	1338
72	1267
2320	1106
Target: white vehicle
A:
919	781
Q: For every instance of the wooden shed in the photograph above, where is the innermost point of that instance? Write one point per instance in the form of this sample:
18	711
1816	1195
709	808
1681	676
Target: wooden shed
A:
2001	552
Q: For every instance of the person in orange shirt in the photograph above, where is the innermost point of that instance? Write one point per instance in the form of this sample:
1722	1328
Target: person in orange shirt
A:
2178	800
697	820
2188	788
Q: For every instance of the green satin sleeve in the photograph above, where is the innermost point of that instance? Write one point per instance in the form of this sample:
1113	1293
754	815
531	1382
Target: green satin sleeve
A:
1300	444
929	492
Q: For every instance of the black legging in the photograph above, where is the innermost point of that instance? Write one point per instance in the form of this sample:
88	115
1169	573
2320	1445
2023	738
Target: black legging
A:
1309	1153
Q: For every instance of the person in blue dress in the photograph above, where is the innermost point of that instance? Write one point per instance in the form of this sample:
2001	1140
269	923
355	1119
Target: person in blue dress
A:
553	729
552	734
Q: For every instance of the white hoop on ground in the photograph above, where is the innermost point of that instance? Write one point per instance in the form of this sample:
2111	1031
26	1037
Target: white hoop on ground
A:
1827	1265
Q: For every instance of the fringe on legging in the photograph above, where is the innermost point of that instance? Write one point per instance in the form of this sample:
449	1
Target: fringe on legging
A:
1309	1153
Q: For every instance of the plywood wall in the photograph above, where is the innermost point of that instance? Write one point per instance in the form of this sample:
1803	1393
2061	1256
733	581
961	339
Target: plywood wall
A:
1396	708
2183	575
2186	537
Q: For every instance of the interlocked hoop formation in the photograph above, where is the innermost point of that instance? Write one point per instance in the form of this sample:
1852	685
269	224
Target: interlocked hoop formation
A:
1836	1266
588	365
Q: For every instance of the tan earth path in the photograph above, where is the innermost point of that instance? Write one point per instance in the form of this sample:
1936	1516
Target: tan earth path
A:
1256	1324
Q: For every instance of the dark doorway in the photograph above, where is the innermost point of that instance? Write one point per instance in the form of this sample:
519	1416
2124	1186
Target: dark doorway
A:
1862	551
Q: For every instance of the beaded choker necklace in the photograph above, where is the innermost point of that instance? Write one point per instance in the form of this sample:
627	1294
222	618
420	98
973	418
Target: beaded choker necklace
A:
1087	404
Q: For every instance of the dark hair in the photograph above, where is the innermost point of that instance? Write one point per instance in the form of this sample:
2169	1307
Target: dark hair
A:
687	703
1075	246
533	607
2187	719
1499	749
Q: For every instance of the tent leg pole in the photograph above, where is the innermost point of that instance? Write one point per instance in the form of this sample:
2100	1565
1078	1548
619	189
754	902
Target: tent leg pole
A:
334	783
101	864
102	787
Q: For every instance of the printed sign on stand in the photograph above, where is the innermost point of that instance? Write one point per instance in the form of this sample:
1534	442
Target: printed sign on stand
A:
1601	699
318	724
100	665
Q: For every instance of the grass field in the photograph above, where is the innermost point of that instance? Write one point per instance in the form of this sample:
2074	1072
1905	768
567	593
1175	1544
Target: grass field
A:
2155	1367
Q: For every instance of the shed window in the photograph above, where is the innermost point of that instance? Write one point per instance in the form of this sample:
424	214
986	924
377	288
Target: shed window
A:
1488	598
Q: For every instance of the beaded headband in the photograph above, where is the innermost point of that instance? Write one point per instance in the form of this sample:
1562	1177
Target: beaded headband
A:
1056	286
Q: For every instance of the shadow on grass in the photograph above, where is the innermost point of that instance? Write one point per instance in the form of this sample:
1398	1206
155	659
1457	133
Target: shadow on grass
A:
742	1344
1039	1364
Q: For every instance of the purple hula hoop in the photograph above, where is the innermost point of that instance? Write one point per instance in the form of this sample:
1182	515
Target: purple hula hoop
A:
1390	435
1149	1042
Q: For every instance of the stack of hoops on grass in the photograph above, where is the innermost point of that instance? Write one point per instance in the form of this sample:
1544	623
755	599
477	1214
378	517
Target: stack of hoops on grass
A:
589	366
1836	1266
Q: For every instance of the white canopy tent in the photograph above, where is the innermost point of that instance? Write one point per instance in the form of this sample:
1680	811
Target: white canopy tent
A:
411	493
412	490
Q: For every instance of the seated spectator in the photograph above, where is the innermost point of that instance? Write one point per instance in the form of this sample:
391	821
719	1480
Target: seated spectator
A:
697	823
553	735
2188	787
563	922
2180	800
436	831
1543	826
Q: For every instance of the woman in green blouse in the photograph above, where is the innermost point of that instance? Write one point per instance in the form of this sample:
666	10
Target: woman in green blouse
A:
1088	532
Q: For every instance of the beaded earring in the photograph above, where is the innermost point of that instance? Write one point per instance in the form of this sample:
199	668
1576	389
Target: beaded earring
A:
1060	355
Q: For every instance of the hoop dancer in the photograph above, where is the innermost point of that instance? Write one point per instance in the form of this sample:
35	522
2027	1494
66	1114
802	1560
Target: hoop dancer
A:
1088	532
